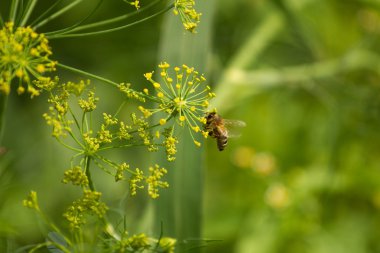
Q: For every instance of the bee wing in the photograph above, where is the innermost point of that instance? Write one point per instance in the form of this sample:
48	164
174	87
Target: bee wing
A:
234	127
234	123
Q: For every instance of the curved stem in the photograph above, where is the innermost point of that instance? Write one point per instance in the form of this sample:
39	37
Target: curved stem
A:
57	14
70	28
116	85
28	11
67	146
114	20
58	36
45	13
88	74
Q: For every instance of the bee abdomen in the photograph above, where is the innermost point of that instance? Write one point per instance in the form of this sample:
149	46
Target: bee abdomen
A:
222	142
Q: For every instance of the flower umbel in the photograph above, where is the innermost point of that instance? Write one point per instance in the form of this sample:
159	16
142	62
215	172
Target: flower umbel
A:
24	55
31	201
189	17
184	98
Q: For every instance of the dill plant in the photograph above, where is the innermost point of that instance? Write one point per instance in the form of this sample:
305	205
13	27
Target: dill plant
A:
181	99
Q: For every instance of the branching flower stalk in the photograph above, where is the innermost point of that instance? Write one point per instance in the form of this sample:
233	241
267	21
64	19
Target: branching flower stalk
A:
181	103
26	62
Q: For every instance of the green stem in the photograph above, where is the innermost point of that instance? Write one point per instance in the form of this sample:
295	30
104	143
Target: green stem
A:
46	244
68	146
75	70
70	28
3	105
108	226
114	20
1	21
43	15
119	109
28	10
88	173
53	226
88	74
57	14
13	10
108	30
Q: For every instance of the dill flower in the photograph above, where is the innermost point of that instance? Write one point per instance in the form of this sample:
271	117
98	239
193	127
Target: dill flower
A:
168	244
154	180
135	3
76	176
31	201
135	182
89	204
184	98
189	16
24	55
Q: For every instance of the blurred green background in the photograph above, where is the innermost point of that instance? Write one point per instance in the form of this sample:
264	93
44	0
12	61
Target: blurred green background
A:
303	177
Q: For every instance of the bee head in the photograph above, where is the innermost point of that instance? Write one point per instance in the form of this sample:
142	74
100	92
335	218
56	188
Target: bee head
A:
210	115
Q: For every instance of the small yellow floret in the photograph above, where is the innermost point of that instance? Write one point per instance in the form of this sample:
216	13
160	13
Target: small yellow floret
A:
160	94
40	68
162	122
146	91
19	73
196	128
156	85
182	118
148	75
198	144
20	90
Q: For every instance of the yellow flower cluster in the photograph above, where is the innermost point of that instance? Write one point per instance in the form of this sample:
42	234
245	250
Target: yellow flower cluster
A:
120	171
135	3
89	204
76	176
31	201
142	243
89	104
184	98
24	55
189	17
170	143
135	182
153	181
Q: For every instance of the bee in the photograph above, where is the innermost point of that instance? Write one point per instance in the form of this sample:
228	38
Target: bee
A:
218	128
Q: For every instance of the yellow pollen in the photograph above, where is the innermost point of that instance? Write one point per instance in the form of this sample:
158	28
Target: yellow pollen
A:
148	76
19	73
40	68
